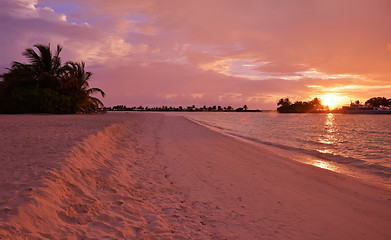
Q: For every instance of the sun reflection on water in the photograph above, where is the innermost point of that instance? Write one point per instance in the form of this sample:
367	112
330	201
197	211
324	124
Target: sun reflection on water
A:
329	124
324	165
328	135
325	151
325	141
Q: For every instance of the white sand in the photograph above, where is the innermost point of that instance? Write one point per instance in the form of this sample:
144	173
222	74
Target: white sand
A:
164	177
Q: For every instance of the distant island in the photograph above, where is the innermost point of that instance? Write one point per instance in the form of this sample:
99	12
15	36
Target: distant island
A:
192	108
375	105
313	106
44	85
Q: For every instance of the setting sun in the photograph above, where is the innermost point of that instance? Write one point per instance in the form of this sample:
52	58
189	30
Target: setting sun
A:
332	100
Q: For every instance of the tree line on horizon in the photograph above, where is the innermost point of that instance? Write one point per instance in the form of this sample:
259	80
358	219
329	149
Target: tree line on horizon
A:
44	85
192	108
315	105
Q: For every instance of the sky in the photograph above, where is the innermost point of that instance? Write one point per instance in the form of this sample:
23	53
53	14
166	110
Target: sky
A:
220	52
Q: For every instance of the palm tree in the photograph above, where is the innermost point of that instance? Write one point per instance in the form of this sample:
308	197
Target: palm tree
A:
32	87
75	83
284	102
19	75
316	104
44	85
44	66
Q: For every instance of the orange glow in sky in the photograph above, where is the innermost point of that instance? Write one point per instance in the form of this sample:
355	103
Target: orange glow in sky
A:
333	100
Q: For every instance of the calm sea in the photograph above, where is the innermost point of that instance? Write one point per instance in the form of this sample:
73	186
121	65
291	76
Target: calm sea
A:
358	145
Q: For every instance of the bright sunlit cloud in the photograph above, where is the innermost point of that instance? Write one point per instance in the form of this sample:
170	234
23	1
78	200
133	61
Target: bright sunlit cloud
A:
313	73
358	88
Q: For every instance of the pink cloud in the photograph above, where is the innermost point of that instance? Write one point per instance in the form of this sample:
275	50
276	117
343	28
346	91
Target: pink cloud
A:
252	52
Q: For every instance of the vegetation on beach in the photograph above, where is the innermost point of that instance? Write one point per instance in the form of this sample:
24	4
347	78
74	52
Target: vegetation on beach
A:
192	108
44	85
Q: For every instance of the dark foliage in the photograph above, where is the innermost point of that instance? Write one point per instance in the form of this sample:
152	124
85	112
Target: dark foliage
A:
44	85
314	106
379	102
192	108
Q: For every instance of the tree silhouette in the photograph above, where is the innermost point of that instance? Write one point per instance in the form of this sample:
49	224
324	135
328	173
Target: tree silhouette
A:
44	85
284	102
76	84
285	106
379	102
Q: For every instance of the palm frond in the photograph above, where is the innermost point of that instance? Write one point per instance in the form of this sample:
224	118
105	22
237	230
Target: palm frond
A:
56	61
94	90
32	56
96	102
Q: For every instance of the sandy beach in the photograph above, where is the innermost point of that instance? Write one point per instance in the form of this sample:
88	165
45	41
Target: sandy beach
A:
156	176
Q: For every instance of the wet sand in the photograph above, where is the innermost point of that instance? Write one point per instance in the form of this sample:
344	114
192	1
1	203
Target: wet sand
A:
153	176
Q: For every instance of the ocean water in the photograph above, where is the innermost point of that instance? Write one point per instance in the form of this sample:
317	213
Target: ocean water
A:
357	145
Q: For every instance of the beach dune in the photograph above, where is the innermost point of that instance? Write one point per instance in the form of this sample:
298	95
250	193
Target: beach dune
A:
156	176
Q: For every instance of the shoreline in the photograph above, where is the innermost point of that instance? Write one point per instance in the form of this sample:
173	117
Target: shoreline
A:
310	147
306	158
298	185
160	176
